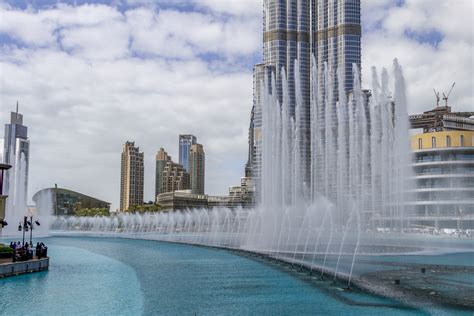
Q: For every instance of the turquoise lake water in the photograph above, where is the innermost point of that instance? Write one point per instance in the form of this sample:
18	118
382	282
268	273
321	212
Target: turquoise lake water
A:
107	276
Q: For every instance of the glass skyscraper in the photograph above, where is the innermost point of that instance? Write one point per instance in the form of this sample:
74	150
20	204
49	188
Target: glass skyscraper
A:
185	143
16	152
329	30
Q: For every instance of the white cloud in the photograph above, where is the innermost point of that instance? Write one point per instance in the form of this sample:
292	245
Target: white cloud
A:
112	83
427	63
165	34
234	7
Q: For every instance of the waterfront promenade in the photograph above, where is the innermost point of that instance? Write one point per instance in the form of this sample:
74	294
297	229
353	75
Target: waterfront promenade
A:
23	259
9	268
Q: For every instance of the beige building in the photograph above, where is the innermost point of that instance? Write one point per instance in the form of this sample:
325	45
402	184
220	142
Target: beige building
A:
131	181
242	195
181	200
197	168
161	160
174	178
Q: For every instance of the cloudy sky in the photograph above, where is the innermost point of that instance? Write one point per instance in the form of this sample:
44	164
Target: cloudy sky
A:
90	75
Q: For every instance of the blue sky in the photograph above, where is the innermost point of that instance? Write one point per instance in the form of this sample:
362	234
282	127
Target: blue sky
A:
90	75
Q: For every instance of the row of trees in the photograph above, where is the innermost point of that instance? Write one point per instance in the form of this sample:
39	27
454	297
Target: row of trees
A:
145	208
91	212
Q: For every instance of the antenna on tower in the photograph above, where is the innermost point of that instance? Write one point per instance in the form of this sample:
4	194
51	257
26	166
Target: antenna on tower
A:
437	97
446	97
17	109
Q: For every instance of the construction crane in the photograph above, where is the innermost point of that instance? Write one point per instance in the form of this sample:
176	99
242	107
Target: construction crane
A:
445	97
437	97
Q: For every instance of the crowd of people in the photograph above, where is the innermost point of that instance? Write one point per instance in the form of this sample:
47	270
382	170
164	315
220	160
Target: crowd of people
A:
24	252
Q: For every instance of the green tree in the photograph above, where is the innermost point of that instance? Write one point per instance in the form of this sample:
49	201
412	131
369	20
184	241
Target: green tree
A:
91	212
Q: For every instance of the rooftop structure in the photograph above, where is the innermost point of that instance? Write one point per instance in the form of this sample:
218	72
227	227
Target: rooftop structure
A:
442	118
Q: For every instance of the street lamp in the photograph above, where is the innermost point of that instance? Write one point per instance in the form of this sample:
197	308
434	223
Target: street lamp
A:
26	226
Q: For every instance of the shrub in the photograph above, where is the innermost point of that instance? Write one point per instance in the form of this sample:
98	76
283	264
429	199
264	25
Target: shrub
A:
5	249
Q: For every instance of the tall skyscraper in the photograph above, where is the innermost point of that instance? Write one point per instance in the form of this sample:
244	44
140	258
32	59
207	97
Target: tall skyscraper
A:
161	159
251	154
197	168
16	152
132	173
261	74
185	143
293	30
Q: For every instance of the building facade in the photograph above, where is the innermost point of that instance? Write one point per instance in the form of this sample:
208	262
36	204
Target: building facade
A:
181	200
197	162
185	143
132	176
242	195
162	159
66	202
16	152
174	178
444	170
329	31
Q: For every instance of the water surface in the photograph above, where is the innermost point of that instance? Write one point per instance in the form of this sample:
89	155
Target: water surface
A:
107	276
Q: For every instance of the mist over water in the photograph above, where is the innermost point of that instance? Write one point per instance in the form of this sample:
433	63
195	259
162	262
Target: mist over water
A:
352	204
16	207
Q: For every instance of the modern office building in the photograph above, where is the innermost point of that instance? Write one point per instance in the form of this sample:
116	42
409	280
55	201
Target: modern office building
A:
132	177
261	76
181	200
16	152
329	30
65	202
444	170
161	159
197	162
185	143
174	178
251	143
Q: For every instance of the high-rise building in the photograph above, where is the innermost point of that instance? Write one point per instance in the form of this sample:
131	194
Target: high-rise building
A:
197	168
161	159
174	178
251	153
330	31
185	143
261	75
16	152
132	177
444	170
